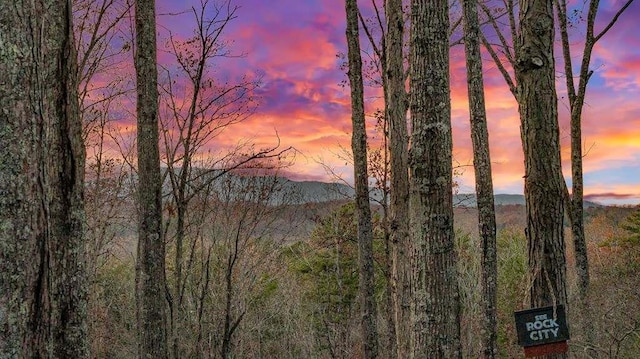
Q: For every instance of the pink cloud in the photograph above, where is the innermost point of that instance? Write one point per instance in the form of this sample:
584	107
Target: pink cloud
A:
294	46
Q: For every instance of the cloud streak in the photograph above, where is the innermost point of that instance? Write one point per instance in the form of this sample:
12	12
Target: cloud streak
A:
293	44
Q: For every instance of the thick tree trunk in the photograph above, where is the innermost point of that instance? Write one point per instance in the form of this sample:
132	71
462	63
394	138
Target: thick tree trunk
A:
66	171
435	307
150	275
42	269
544	184
484	183
366	285
396	112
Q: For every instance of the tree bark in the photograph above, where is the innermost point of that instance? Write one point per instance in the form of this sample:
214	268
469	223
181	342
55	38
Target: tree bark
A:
42	257
366	284
544	184
396	112
435	307
576	203
150	274
484	182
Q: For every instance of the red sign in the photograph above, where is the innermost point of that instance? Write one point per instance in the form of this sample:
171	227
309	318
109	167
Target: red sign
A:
539	350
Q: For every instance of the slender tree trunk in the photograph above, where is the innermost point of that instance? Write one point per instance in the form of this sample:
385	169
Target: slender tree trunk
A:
389	307
576	205
226	337
42	257
435	307
544	184
576	216
359	146
484	183
178	309
396	112
182	206
201	304
150	275
390	351
391	338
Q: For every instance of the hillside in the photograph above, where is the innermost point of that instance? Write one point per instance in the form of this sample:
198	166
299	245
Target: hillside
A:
315	191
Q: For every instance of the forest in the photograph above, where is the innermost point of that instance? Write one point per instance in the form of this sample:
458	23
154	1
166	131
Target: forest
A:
137	222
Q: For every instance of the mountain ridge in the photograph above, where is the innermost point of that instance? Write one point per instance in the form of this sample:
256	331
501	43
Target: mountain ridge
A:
318	191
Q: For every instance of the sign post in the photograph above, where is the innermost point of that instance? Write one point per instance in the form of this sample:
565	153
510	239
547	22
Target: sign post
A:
542	331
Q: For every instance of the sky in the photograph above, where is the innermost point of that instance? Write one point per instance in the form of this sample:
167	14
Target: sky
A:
293	45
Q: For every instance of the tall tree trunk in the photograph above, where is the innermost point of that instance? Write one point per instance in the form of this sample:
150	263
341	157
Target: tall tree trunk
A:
177	312
42	257
576	216
576	104
544	184
66	173
435	307
576	203
484	183
227	333
150	275
366	285
396	111
390	311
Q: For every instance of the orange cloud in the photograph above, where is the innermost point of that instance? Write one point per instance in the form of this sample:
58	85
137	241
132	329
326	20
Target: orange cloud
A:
300	99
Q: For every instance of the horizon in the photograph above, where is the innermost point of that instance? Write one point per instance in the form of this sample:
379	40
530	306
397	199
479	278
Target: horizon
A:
293	47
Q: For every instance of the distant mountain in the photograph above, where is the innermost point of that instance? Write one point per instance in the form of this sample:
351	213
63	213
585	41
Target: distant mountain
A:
301	192
315	191
470	200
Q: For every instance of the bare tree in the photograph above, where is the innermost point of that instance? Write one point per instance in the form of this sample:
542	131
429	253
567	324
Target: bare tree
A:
101	48
379	171
237	223
385	68
363	210
250	220
212	106
42	265
396	113
504	55
484	182
103	78
150	275
375	73
543	182
576	97
435	307
108	191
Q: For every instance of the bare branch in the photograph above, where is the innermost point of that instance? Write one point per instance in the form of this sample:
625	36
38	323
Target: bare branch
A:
373	43
500	65
506	49
613	21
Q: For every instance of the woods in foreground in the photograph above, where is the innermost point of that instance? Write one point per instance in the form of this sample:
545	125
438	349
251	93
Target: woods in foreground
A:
219	242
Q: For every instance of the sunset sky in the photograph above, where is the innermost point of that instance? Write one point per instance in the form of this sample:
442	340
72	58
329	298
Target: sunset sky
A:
293	44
